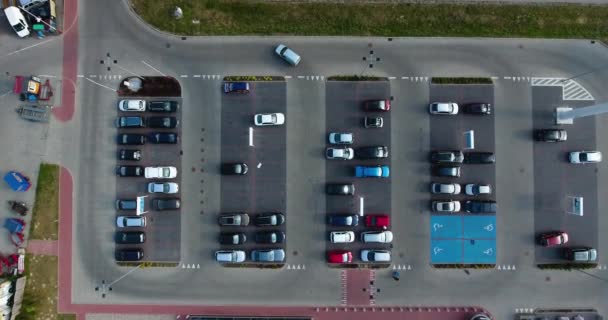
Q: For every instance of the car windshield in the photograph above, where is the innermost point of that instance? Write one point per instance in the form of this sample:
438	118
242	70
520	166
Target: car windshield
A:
19	26
166	172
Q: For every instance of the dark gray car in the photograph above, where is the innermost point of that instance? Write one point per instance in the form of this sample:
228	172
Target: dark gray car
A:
272	255
166	204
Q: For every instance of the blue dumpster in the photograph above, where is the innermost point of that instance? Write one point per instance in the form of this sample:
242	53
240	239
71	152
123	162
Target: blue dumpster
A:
17	181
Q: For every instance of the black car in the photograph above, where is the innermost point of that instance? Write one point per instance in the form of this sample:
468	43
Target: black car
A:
162	122
163	106
126	204
479	158
234	168
270	237
478	206
377	152
129	254
446	171
477	108
448	157
269	219
129	155
550	135
131	139
343	220
130	122
373	122
129	237
166	204
340	189
129	171
164	138
232	238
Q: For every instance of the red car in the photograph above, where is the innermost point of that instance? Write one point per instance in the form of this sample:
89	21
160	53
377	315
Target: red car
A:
551	239
339	256
377	105
377	221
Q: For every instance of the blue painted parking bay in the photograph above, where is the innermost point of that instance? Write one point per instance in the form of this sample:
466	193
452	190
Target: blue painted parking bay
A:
463	239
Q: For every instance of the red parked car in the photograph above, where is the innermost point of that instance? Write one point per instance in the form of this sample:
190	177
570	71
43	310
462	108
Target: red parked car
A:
551	239
377	221
339	256
377	105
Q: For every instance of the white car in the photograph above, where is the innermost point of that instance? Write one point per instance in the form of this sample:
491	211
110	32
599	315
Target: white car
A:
130	222
160	172
446	206
269	119
445	188
375	256
585	157
287	54
132	105
449	108
163	187
340	138
377	236
17	21
342	236
477	189
340	153
230	256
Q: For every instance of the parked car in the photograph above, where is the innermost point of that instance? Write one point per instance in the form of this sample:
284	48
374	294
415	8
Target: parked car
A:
130	122
478	108
445	188
129	155
236	87
477	189
126	204
449	108
372	171
163	122
231	238
166	204
447	157
340	189
128	254
339	256
341	236
481	316
269	119
287	54
163	138
271	255
269	219
339	153
550	135
478	206
233	219
132	105
234	168
230	256
375	152
585	157
382	221
377	237
446	171
130	222
270	237
160	172
17	21
163	187
377	105
479	158
129	237
373	122
445	206
343	220
581	254
130	139
340	138
163	106
129	171
554	238
375	256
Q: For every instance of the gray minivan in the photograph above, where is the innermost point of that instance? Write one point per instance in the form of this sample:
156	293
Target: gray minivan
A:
581	254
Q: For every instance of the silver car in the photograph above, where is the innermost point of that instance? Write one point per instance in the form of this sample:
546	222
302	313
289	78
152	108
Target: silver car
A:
130	222
230	256
287	54
340	138
445	188
272	255
446	206
449	108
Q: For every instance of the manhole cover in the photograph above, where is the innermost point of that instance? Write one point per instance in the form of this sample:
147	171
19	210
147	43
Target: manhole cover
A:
295	253
547	278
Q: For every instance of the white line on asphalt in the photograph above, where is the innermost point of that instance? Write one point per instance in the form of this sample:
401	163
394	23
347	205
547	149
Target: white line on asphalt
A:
80	76
184	76
92	76
507	78
392	78
151	67
2	95
300	77
259	165
494	78
197	75
361	206
32	46
47	76
404	78
287	77
99	84
250	136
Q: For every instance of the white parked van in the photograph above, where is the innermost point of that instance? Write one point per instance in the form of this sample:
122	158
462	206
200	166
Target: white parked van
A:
17	21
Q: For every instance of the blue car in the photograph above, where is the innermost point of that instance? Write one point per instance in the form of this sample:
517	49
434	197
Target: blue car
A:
236	87
372	171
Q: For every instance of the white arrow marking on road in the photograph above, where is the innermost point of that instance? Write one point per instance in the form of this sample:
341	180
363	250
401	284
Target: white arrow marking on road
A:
250	136
288	267
298	267
303	267
198	266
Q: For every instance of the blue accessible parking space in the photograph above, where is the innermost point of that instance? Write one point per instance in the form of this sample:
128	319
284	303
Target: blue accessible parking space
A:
479	227
479	252
446	227
461	239
446	251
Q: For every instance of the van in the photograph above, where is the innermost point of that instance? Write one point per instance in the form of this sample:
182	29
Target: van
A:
17	21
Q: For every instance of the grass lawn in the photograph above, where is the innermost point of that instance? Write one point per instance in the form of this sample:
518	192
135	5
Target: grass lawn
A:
46	208
241	17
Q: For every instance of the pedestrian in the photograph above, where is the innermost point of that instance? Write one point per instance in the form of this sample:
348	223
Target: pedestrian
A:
396	275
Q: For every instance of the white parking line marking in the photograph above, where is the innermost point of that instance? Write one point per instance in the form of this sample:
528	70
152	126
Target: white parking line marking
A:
300	77
361	206
392	78
197	75
250	136
99	84
151	67
80	76
184	76
32	46
259	165
287	77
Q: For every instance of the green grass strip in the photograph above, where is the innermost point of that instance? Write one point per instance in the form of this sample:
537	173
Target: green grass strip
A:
46	206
